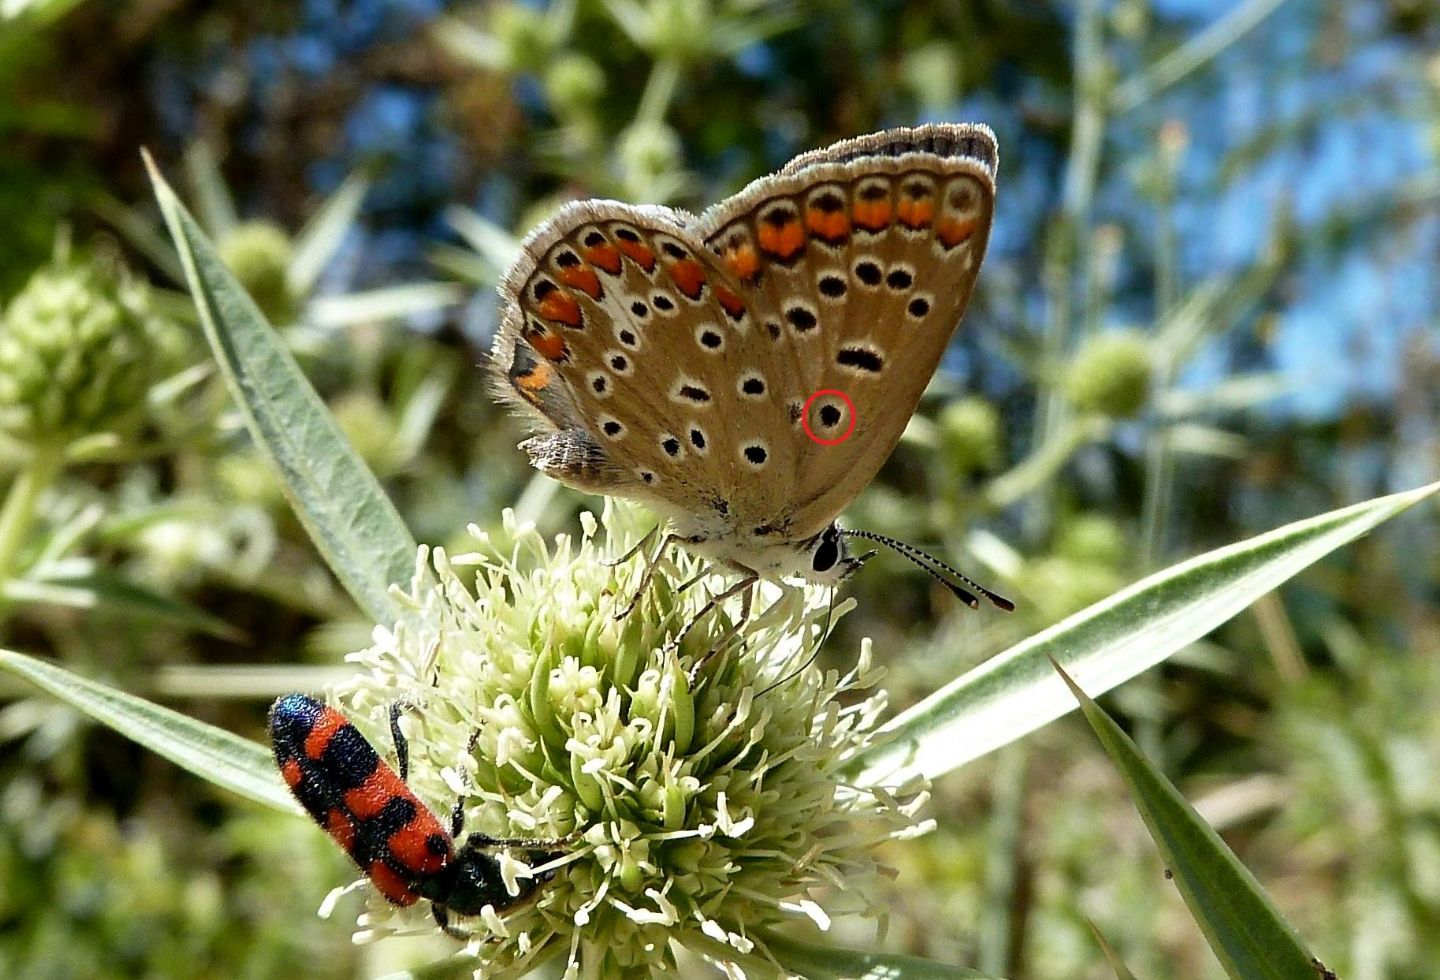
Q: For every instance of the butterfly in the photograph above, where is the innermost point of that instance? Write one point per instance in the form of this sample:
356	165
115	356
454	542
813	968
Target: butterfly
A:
746	372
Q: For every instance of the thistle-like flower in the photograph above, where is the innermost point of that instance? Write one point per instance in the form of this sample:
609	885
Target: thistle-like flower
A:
700	797
79	347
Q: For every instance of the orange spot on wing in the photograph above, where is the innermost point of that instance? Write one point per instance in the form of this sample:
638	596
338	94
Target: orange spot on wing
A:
783	241
395	888
410	845
689	276
324	729
583	278
872	215
561	307
830	226
743	261
953	231
734	305
606	257
639	253
536	379
342	828
551	346
917	212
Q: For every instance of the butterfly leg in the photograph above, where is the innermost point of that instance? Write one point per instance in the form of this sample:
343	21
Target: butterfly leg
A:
638	547
748	579
650	565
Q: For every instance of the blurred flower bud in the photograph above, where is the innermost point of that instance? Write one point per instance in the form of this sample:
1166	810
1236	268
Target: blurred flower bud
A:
649	150
1110	375
78	352
525	43
680	29
258	253
1094	539
573	83
970	431
369	427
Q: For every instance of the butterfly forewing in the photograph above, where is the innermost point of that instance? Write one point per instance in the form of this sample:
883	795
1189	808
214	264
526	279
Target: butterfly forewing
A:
859	261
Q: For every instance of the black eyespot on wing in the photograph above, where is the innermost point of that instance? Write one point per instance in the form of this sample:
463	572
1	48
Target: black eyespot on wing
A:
801	319
756	454
619	362
832	286
567	260
695	393
860	358
697	438
753	386
639	308
711	339
918	307
662	303
829	416
899	279
671	445
868	272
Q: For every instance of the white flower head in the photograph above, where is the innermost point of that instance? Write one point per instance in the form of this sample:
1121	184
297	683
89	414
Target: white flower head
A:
698	792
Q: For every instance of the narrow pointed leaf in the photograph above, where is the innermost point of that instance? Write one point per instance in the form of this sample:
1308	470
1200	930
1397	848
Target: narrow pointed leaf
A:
816	962
105	590
333	492
1122	972
320	239
1016	692
1245	931
223	758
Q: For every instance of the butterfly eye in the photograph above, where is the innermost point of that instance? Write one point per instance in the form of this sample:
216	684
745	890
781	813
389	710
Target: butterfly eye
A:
827	554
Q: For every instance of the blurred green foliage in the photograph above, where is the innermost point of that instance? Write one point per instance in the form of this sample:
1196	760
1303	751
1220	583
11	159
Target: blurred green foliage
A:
1110	409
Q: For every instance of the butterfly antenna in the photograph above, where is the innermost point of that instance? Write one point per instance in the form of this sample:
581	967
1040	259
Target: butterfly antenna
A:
920	559
824	635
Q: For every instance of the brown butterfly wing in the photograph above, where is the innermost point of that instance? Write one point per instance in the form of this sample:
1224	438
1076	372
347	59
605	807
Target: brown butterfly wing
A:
858	261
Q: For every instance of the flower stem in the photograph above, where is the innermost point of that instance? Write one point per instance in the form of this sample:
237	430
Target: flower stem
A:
18	512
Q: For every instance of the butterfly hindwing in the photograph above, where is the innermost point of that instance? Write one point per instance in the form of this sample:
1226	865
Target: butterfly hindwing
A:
620	334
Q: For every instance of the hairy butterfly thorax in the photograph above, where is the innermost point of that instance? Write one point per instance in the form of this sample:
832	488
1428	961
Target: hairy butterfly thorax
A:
395	840
745	373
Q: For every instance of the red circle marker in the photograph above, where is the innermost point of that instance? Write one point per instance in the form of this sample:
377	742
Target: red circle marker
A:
805	417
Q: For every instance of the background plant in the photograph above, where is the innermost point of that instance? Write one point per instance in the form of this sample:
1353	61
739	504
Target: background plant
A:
1262	258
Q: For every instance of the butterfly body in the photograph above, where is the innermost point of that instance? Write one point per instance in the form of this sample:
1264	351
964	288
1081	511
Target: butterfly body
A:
746	372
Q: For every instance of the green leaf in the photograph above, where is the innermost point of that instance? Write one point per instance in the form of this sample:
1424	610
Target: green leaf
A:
1246	932
105	590
320	239
336	497
815	962
1016	692
1122	972
221	757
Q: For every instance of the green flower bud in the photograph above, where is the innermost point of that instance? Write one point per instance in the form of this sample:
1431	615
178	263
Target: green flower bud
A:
1111	374
696	800
1092	538
370	428
524	40
259	254
573	83
79	348
648	150
680	29
970	431
1060	586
